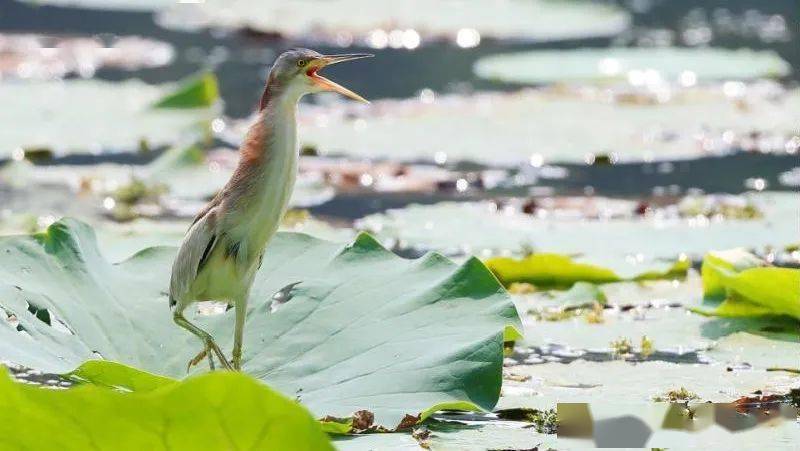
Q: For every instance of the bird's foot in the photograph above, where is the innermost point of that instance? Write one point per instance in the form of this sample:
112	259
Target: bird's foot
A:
209	351
199	358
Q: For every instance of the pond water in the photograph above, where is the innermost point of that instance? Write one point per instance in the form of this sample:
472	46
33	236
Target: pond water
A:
619	310
241	60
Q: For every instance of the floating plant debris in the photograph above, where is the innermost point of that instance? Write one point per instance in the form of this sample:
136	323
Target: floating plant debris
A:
679	395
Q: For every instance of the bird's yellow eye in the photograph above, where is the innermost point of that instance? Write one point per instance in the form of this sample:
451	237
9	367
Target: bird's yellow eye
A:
301	63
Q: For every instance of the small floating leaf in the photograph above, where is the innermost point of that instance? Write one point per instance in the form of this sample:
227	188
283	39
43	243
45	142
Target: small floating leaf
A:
199	92
560	271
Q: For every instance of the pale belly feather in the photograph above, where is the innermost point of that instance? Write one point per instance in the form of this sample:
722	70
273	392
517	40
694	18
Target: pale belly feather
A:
226	278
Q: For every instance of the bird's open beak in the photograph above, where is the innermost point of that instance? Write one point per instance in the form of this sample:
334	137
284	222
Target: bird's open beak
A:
329	85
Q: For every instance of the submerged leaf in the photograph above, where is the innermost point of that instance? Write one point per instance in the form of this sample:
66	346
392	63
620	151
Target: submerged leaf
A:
364	329
223	410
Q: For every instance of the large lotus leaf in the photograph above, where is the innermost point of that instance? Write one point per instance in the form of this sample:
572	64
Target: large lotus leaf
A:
668	64
212	411
365	329
90	116
532	19
628	246
554	126
750	289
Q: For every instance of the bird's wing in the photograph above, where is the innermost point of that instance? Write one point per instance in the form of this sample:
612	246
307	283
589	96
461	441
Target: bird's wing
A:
197	246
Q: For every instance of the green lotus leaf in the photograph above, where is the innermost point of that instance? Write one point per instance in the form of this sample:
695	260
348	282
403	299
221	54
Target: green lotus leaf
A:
561	271
548	270
91	116
364	329
223	410
198	92
714	263
667	64
749	287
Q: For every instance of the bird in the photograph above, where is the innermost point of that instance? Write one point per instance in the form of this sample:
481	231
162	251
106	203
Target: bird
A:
224	246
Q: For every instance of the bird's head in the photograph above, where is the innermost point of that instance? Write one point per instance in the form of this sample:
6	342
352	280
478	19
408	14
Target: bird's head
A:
297	71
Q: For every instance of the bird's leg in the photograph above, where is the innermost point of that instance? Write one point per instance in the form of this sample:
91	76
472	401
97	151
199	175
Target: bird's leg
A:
238	331
205	337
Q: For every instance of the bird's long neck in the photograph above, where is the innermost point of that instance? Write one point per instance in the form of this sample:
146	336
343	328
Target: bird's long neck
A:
274	131
264	178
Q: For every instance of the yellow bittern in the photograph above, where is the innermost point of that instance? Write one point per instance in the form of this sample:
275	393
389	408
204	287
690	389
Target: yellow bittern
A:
224	246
